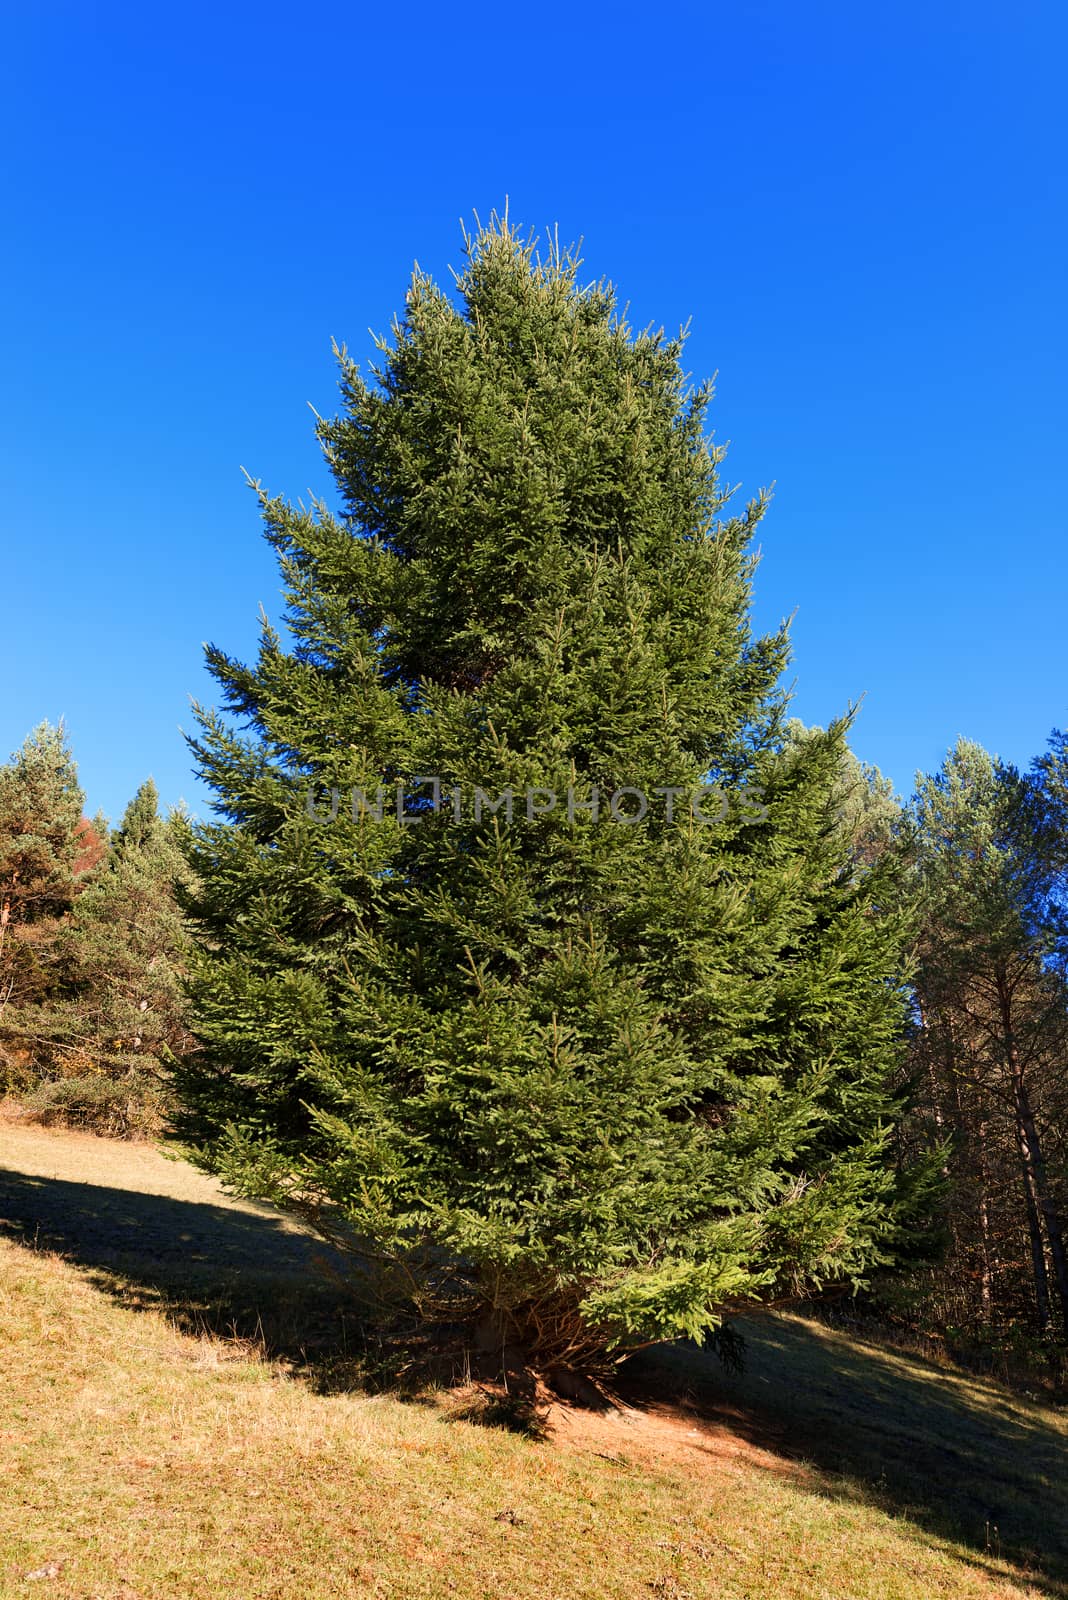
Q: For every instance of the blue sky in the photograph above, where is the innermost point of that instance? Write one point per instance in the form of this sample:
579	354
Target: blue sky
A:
863	210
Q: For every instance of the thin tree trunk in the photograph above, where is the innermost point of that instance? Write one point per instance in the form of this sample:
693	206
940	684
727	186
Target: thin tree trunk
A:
975	1145
1030	1148
986	1275
1034	1229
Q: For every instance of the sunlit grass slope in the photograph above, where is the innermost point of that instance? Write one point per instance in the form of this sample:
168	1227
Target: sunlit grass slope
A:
144	1456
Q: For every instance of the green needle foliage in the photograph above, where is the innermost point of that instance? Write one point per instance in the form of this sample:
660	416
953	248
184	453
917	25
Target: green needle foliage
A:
41	842
123	952
588	1083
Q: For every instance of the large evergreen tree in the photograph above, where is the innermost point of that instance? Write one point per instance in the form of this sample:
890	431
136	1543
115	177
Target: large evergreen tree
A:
590	1082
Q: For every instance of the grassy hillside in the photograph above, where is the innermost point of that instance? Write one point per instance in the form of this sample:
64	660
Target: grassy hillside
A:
178	1418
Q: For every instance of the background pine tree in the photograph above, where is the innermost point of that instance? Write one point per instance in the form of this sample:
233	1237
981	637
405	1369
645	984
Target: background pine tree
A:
113	1031
126	946
141	823
586	1084
43	854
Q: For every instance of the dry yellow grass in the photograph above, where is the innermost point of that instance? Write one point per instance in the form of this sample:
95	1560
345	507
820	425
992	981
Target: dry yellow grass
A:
139	1461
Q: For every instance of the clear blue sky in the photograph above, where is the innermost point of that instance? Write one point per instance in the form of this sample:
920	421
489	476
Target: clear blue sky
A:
863	209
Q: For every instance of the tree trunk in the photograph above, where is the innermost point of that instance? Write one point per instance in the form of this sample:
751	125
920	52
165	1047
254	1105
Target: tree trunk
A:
986	1276
1034	1229
1029	1144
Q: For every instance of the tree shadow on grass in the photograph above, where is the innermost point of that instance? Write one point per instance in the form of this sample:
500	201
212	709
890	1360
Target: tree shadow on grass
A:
961	1457
211	1269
